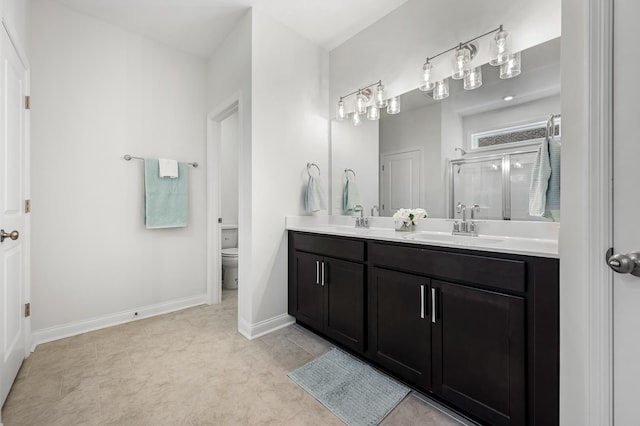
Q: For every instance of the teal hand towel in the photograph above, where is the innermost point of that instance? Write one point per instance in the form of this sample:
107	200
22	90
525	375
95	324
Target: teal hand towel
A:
166	199
552	208
350	194
539	181
314	197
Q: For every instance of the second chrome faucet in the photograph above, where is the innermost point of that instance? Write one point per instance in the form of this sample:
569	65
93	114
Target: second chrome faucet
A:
466	227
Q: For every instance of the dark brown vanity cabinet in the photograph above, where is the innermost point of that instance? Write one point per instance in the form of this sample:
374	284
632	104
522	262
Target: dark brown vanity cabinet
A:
478	330
328	293
400	324
478	352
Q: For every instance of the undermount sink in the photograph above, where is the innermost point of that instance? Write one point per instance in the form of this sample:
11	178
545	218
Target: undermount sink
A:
455	239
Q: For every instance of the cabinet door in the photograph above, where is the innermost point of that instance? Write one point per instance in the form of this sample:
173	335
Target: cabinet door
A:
399	324
344	300
478	352
309	289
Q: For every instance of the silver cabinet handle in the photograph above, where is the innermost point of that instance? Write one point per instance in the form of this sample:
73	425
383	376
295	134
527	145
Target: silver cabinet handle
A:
433	305
322	273
422	301
317	272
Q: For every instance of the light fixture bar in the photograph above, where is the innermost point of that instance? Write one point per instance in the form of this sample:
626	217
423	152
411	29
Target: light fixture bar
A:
430	58
361	89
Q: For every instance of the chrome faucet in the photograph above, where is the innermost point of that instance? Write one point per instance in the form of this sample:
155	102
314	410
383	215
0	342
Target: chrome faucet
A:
466	227
361	222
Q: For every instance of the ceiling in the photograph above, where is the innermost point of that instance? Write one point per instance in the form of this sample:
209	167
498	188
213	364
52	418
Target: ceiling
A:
199	26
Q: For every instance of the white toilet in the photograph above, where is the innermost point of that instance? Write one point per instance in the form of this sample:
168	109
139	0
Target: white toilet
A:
229	256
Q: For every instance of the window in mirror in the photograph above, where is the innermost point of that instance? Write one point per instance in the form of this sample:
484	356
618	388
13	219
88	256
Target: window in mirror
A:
505	137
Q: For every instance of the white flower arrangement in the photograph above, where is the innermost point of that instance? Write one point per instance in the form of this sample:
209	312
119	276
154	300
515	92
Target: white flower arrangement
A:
410	216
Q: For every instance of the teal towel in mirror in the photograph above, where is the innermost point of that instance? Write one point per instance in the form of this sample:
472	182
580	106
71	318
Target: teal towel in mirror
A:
540	174
166	199
314	199
552	207
350	194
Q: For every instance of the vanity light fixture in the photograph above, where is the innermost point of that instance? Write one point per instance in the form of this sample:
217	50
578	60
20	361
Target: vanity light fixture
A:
441	90
500	47
342	112
373	113
426	83
363	106
473	78
393	106
500	55
356	119
512	67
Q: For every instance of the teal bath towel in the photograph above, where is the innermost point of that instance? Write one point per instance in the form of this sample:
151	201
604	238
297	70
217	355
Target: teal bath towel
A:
540	174
166	199
314	198
350	194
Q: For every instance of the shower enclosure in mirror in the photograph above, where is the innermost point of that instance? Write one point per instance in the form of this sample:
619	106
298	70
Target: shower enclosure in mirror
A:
404	160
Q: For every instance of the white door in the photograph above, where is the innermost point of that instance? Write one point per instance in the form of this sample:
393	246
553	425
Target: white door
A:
626	212
400	177
12	252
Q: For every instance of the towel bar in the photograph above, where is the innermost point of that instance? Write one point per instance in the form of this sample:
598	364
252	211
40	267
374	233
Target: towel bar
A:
128	157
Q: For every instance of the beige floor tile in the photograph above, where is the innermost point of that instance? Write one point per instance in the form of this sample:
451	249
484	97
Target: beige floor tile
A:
186	368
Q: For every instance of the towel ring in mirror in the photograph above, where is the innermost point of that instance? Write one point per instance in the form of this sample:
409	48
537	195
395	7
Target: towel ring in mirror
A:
350	170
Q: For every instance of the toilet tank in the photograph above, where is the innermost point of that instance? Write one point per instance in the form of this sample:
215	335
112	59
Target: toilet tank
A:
229	236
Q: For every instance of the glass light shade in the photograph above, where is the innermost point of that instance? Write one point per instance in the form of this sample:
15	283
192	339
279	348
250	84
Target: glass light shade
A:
441	90
426	84
361	103
393	107
473	79
512	67
356	119
380	99
342	112
461	60
373	113
500	48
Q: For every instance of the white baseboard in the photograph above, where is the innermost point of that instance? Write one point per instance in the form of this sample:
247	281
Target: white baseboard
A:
72	329
253	331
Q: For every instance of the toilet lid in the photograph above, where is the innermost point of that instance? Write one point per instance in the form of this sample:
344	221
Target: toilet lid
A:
230	251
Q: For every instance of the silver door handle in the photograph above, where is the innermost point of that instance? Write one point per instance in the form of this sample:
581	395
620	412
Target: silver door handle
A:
422	301
317	272
433	305
13	235
624	263
322	273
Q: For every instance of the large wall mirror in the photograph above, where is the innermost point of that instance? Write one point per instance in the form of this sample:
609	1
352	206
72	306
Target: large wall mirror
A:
476	147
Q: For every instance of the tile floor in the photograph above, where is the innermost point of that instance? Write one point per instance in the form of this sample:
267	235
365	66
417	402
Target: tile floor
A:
185	368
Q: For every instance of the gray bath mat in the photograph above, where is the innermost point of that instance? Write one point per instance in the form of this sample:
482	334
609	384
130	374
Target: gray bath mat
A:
356	393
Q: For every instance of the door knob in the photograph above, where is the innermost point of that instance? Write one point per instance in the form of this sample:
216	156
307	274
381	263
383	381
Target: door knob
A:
4	235
624	263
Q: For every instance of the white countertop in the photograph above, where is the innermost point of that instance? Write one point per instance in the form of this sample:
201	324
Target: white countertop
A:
515	237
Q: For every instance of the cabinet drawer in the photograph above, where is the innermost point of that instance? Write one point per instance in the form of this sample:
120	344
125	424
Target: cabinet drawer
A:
484	270
341	248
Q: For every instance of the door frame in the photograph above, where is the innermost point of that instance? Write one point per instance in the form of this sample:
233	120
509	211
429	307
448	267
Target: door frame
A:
214	192
586	302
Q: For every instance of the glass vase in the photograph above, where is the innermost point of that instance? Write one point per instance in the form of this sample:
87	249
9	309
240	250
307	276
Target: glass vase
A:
402	226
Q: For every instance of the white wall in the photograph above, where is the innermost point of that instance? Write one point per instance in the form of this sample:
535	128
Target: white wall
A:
355	148
419	128
229	81
103	92
290	128
394	48
229	169
16	15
